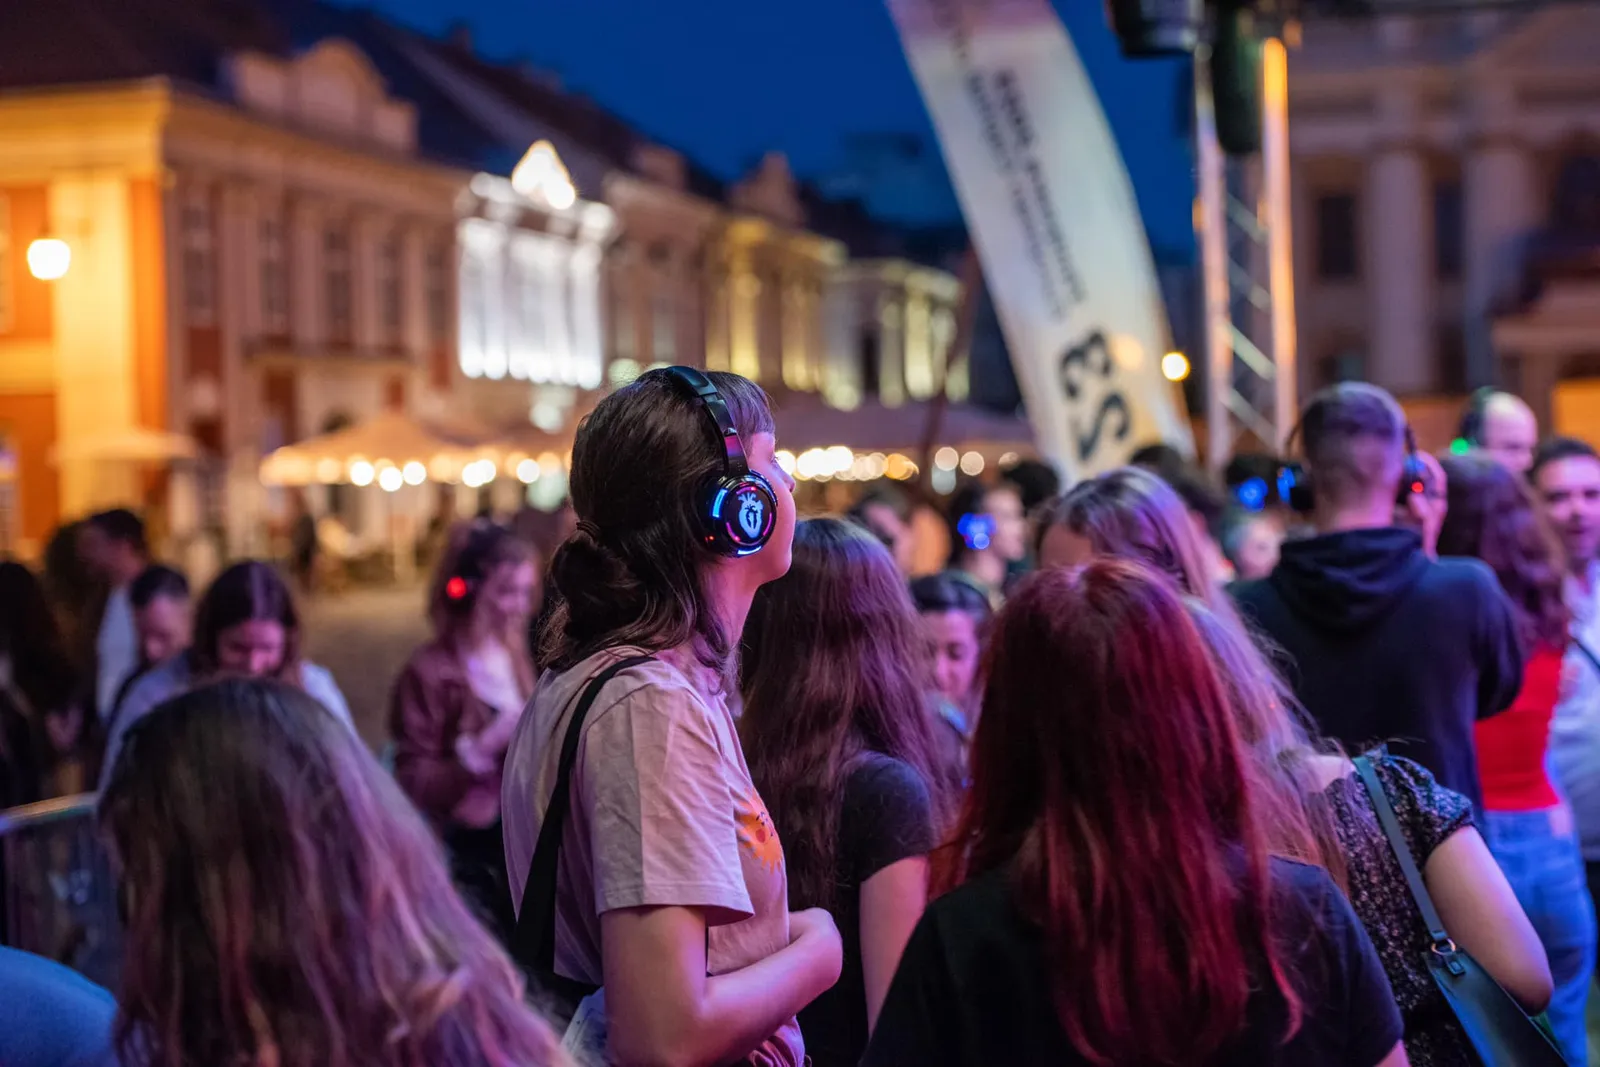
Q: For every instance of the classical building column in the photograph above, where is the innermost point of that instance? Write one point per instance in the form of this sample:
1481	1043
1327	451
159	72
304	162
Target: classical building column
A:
93	309
1498	208
587	342
1399	248
414	292
368	230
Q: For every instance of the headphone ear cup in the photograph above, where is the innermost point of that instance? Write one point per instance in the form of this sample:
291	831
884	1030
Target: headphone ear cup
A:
1413	479
738	515
1294	488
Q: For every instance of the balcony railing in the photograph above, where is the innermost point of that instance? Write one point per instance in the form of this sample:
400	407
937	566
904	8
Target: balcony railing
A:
57	893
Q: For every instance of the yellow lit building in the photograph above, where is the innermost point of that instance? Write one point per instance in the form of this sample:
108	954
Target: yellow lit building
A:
251	260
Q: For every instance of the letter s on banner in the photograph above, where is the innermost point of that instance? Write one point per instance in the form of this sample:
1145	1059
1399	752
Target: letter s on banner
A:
1055	223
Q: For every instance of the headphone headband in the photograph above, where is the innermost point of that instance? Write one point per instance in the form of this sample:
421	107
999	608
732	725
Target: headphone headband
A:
704	390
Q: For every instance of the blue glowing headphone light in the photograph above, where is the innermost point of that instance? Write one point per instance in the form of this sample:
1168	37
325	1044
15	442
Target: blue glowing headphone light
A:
1251	494
976	530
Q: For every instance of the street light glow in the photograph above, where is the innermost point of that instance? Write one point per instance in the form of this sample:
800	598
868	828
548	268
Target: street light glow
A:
49	258
1175	365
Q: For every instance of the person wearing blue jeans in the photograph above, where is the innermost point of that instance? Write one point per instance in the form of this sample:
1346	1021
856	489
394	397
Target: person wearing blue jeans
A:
1538	852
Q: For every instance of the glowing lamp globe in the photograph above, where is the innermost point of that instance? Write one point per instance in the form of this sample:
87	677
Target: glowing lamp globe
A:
49	258
1175	365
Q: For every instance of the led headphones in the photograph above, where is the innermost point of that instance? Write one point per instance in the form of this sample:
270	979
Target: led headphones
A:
1251	494
736	508
976	530
1294	482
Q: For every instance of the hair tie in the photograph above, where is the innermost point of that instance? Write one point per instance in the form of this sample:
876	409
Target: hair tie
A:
589	529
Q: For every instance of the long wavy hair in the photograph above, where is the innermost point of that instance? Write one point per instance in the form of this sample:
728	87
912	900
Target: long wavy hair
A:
1110	782
1133	514
834	667
630	574
286	906
1492	517
1274	726
248	591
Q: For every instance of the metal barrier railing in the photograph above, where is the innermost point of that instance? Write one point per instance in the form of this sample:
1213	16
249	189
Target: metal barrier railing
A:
57	893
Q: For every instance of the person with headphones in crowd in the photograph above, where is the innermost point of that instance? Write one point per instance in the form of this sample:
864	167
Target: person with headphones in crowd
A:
650	883
1386	643
457	702
1502	427
988	535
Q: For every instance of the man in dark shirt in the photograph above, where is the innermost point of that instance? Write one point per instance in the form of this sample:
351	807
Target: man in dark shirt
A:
1384	643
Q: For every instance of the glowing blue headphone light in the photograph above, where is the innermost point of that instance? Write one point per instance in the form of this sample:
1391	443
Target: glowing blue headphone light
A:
1251	494
976	530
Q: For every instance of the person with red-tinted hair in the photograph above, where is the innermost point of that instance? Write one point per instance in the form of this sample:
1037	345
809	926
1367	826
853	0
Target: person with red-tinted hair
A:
1115	902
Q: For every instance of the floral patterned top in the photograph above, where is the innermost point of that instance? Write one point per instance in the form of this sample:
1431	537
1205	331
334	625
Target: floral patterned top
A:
1428	813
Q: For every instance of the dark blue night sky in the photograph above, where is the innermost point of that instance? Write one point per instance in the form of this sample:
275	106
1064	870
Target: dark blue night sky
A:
725	80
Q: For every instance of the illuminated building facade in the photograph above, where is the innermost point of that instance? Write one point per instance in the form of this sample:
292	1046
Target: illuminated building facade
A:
1441	165
259	251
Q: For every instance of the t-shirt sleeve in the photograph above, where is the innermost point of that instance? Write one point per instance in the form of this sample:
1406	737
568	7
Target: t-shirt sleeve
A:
887	816
654	784
916	1028
1427	811
1371	1018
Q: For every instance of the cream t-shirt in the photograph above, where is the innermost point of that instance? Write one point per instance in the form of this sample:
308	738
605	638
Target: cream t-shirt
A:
663	813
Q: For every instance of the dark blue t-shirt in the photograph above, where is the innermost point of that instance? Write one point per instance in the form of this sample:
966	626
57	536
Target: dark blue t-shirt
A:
973	987
51	1016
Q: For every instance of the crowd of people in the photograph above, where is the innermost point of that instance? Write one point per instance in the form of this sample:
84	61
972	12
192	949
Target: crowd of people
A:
1155	771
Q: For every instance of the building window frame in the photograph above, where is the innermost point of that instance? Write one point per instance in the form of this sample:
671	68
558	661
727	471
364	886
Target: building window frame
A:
198	237
391	303
272	238
1337	221
1449	223
663	325
338	282
436	291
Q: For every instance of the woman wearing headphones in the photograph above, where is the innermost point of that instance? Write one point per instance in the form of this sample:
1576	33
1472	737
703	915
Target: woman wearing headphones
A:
457	701
650	882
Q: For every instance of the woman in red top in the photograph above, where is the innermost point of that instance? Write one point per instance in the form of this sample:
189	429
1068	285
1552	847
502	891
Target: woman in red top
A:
1526	822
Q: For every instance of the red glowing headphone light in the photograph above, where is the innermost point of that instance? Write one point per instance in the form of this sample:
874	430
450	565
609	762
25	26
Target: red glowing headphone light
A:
456	588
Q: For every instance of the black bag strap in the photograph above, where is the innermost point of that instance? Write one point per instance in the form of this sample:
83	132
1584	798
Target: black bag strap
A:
1586	652
534	942
1402	851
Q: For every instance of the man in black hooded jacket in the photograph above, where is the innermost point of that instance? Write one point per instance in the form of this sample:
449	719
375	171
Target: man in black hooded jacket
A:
1385	643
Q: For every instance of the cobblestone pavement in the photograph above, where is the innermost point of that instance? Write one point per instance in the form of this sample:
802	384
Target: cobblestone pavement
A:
364	637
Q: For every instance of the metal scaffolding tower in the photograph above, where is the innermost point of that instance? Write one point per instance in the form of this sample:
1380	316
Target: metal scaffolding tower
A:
1243	222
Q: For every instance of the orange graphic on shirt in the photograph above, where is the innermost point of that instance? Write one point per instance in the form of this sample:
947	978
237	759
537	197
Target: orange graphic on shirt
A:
757	834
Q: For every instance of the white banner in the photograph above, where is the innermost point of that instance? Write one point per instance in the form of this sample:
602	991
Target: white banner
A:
1054	219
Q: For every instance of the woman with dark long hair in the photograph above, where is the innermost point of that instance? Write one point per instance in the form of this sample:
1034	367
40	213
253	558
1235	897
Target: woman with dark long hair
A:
1492	517
457	702
42	722
841	746
1116	902
246	624
661	908
286	906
